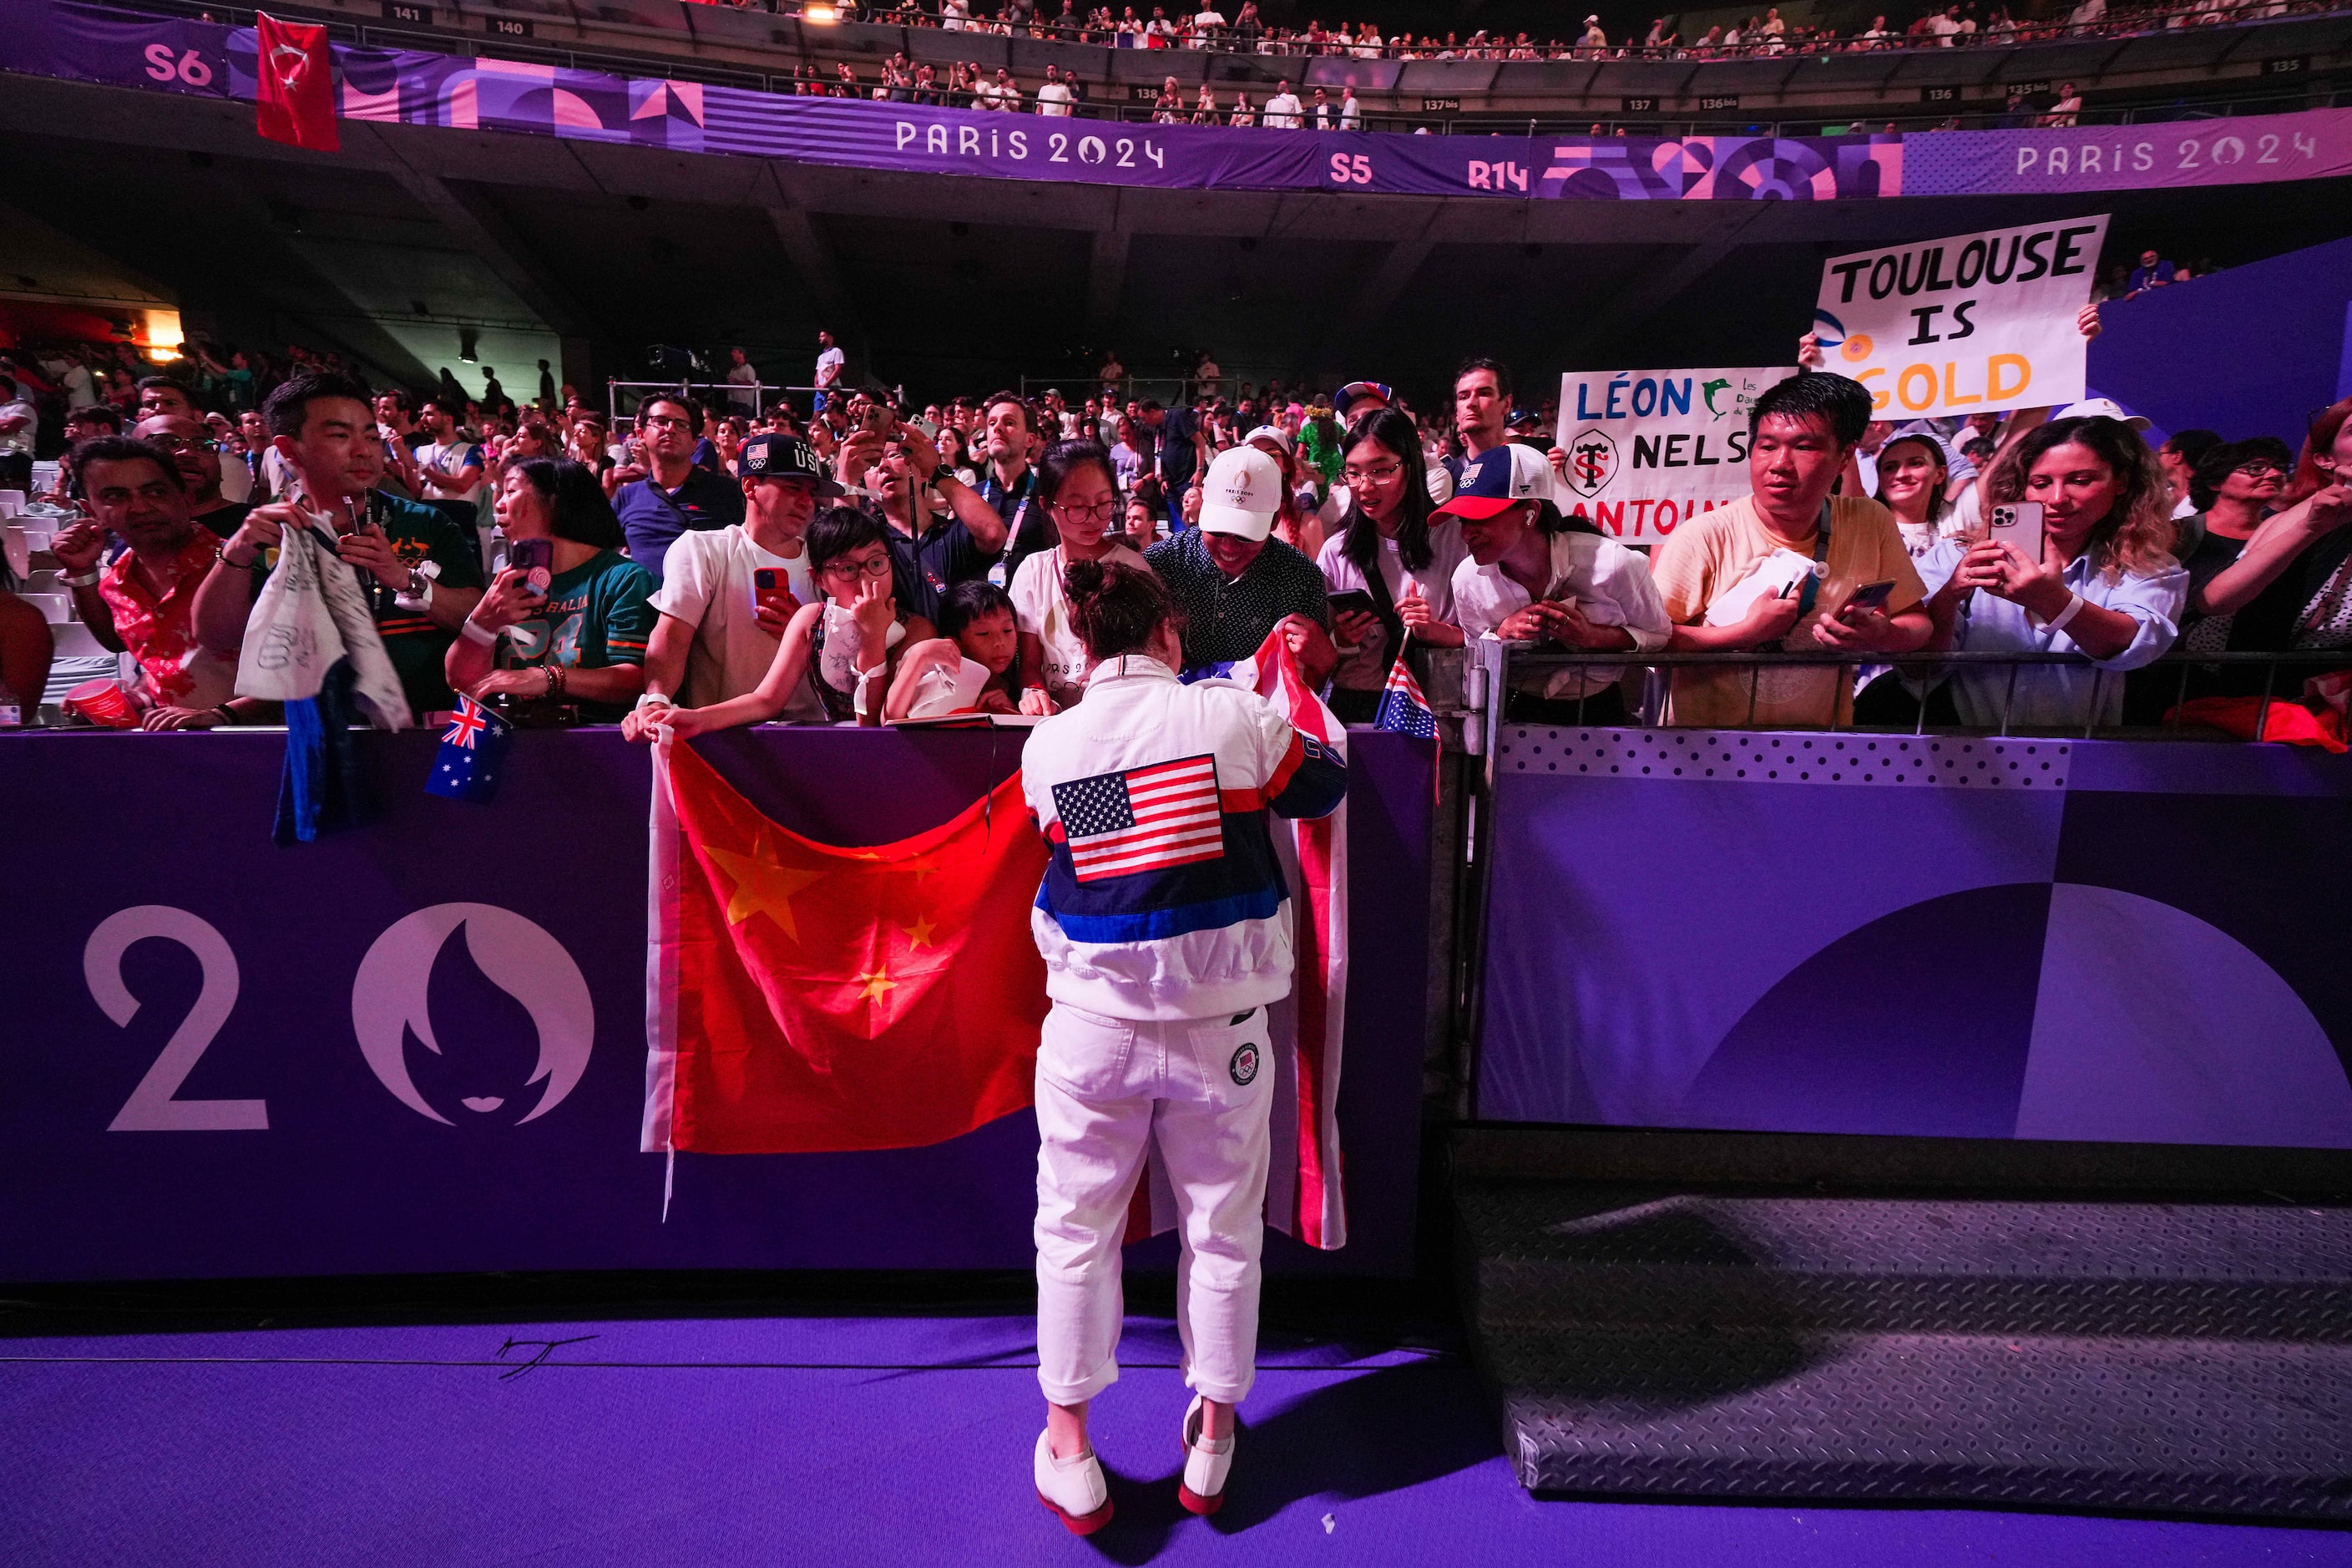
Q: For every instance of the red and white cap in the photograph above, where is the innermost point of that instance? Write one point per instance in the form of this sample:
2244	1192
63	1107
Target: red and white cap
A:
1498	478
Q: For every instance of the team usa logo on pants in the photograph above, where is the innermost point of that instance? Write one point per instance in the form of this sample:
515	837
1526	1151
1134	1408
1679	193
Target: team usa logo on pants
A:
1245	1064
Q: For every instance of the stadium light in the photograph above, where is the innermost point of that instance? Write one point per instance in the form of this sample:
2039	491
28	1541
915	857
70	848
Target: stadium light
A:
823	16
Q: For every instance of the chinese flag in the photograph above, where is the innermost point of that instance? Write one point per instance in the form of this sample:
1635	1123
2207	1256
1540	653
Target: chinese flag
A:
809	998
294	86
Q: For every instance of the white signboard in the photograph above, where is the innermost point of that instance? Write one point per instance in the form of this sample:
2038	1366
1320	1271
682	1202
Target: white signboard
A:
1970	325
1649	449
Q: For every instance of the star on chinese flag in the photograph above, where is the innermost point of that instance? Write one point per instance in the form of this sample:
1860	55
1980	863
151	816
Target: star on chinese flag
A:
810	998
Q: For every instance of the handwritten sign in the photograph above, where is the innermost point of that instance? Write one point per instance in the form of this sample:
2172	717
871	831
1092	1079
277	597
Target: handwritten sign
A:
1970	324
1647	450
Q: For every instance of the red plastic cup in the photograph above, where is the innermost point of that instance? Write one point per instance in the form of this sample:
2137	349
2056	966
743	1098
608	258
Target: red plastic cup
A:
103	704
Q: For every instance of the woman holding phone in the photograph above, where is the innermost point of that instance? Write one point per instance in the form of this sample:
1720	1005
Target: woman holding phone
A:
1390	564
2103	584
1914	469
566	621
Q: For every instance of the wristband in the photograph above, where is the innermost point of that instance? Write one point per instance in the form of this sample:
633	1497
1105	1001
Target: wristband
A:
857	692
473	630
227	715
86	580
2074	607
645	699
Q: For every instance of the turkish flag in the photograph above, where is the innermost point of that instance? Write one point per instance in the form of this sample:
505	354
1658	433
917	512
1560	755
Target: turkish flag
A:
294	85
806	998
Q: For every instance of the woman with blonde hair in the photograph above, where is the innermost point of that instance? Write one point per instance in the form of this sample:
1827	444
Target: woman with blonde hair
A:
2105	585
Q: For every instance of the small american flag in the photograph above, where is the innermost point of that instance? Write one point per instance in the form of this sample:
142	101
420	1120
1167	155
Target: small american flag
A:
1403	707
1145	819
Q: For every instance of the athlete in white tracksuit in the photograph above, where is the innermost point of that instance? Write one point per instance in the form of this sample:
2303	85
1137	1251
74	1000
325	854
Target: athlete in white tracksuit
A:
1165	939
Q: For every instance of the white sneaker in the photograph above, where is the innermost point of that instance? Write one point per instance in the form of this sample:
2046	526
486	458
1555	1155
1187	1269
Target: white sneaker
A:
1075	1489
1206	1464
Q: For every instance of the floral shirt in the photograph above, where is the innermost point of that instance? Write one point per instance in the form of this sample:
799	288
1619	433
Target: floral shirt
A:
160	633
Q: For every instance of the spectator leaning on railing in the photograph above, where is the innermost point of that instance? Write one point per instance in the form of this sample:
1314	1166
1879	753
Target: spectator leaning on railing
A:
2106	587
1777	569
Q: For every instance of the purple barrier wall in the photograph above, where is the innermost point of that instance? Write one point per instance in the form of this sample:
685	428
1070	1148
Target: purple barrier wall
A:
2298	307
254	1003
91	43
2102	940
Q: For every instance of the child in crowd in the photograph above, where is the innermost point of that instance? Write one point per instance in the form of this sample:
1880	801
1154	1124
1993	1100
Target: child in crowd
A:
975	666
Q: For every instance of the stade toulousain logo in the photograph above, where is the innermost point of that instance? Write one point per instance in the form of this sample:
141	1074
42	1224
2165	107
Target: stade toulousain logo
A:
392	1003
1592	461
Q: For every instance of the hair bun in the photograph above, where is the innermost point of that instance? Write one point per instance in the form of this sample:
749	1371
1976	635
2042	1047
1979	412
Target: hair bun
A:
1083	580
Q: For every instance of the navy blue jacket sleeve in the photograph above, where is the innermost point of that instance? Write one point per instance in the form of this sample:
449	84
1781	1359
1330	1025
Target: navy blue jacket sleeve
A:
1311	780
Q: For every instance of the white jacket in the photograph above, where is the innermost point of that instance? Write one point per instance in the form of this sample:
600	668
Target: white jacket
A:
1163	897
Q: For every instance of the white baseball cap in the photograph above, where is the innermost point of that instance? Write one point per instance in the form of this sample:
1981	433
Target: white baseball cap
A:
1280	438
2101	408
1240	493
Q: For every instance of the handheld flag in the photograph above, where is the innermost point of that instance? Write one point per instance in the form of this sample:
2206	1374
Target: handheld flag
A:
1402	708
294	85
472	755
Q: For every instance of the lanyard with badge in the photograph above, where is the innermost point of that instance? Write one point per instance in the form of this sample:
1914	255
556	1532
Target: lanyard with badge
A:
1812	588
1001	573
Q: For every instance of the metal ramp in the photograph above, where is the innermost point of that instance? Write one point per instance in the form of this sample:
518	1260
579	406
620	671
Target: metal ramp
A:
2169	1357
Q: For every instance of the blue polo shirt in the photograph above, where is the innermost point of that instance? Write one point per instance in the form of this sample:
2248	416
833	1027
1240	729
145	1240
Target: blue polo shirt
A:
652	516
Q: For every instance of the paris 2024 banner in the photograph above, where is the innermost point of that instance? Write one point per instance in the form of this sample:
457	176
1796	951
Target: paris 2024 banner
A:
122	48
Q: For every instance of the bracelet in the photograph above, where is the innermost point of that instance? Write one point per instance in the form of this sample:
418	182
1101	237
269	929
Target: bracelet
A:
227	714
645	699
2075	603
554	673
86	580
473	630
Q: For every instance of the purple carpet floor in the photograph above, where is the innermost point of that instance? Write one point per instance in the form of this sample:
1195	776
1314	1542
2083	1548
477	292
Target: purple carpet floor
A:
844	1441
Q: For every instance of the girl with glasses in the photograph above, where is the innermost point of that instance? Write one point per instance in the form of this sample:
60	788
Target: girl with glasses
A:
846	645
1387	531
1080	490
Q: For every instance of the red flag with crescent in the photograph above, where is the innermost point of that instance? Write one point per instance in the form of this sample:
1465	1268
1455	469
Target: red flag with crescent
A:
294	85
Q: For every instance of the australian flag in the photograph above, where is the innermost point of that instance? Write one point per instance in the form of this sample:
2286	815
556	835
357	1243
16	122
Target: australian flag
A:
472	755
1402	708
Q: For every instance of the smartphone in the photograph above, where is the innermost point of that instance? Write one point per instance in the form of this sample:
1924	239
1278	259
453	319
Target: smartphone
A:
2019	525
535	558
875	418
767	580
1871	595
1353	601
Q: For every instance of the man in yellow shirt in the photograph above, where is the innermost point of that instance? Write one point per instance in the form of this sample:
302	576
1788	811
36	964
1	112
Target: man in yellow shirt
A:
1809	552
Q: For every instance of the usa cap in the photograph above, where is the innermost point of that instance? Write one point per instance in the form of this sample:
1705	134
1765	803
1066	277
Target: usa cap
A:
1499	478
772	455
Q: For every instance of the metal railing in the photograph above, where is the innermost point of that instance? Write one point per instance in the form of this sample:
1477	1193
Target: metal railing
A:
1494	667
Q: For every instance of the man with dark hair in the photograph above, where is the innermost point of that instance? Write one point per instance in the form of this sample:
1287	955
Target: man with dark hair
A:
1776	570
162	395
662	493
420	572
1002	513
85	424
1482	410
194	448
447	468
2179	459
1182	435
144	602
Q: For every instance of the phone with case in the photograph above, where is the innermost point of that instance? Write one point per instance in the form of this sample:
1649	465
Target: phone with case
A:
2018	524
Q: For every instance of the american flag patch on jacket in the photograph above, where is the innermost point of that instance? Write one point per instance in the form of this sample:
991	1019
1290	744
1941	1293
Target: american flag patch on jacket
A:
1144	819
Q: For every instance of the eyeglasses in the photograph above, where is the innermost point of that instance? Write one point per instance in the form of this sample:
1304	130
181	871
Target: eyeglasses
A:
183	443
879	567
2258	467
667	422
1104	510
1379	476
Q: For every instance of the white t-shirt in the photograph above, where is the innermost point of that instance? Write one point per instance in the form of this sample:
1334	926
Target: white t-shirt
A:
1351	113
1609	584
451	457
707	583
1054	99
833	359
744	375
1282	111
1359	669
1042	610
81	389
19	439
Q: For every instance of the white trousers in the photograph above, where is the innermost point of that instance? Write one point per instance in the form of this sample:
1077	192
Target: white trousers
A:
1107	1088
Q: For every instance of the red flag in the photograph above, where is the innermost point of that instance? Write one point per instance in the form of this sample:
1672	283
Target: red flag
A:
294	85
806	998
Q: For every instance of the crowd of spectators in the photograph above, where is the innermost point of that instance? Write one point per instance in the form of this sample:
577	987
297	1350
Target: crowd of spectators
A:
861	560
1246	31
